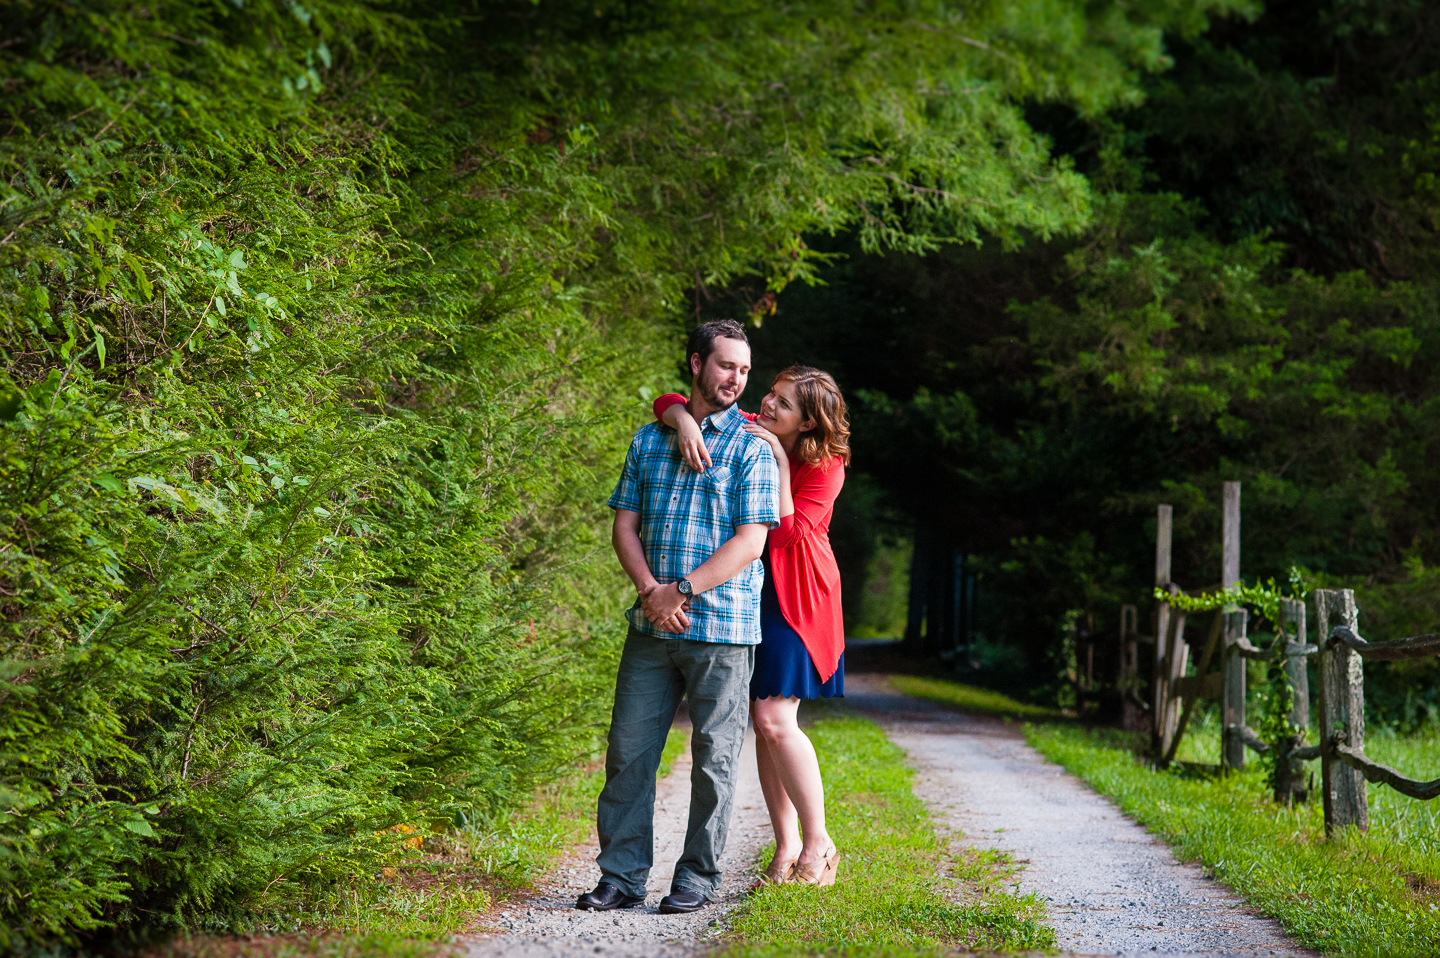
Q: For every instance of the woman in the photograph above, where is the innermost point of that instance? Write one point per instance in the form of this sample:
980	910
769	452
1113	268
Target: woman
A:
801	653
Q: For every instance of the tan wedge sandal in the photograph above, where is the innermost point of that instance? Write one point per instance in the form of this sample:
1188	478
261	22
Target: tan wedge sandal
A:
780	872
820	872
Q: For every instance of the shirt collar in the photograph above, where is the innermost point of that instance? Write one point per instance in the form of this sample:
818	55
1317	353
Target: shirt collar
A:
727	420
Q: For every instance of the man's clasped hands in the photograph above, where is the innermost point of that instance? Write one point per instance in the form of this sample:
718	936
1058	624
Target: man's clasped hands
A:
663	605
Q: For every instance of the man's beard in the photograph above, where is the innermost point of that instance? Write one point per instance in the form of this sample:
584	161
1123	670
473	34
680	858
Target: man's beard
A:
710	394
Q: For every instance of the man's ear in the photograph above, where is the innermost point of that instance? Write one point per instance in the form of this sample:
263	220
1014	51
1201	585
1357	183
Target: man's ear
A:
694	364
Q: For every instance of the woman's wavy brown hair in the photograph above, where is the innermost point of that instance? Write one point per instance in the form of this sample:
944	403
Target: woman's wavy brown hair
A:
821	401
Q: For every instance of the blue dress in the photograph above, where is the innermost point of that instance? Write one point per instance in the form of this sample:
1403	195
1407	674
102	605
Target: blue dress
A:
783	668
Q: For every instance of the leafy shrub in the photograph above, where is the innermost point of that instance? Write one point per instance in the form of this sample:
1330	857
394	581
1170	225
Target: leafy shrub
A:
324	324
271	436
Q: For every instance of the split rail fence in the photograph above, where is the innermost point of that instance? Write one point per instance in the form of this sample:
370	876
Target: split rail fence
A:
1340	704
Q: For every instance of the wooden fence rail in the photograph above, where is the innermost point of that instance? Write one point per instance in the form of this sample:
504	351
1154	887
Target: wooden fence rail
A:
1384	774
1340	704
1344	765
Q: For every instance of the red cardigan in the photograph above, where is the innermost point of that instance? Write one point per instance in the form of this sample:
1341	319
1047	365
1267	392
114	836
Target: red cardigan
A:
806	577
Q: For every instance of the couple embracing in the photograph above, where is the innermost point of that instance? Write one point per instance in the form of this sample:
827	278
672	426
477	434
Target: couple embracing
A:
722	522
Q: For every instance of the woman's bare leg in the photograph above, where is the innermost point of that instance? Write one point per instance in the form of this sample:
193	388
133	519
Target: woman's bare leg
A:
782	813
790	754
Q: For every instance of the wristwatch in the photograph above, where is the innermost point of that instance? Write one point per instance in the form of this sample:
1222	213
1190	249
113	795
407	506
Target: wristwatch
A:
684	587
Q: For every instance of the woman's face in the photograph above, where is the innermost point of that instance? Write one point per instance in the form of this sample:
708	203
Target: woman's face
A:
780	411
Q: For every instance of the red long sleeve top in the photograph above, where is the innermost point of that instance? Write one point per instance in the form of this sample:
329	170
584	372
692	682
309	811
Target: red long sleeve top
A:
802	565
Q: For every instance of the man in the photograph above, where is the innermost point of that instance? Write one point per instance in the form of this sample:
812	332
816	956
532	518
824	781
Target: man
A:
691	543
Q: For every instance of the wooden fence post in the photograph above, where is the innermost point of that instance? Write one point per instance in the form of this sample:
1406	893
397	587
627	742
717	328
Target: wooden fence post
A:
1172	669
1290	780
1129	647
1160	691
1232	725
1230	537
1342	711
1132	707
1232	710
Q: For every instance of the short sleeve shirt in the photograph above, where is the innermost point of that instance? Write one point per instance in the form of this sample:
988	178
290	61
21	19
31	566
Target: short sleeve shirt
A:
686	515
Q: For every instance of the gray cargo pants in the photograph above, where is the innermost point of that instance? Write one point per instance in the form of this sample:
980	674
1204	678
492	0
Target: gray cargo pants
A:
654	674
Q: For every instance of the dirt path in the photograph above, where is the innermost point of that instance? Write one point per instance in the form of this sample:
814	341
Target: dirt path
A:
549	925
1112	888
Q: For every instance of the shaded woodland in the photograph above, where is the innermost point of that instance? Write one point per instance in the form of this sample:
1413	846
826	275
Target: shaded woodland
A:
1255	299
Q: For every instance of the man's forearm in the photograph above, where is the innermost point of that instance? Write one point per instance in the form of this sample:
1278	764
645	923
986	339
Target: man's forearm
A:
626	541
728	561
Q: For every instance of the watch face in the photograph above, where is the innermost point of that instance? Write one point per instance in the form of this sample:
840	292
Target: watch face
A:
684	586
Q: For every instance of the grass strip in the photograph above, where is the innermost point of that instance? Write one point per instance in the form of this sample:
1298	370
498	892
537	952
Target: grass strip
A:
1376	893
375	944
901	890
969	698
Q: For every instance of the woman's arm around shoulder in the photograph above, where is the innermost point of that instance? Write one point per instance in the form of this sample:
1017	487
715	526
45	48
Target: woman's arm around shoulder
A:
665	403
671	409
670	401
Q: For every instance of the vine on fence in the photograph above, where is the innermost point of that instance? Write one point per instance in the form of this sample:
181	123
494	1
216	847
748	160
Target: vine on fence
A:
1275	723
1279	696
1264	599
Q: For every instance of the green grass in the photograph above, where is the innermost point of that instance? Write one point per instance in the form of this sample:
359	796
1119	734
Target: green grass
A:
442	894
968	697
901	890
1362	894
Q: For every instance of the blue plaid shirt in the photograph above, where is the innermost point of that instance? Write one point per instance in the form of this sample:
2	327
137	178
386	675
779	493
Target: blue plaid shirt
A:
686	515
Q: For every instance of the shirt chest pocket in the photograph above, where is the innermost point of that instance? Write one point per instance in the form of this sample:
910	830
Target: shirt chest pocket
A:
716	480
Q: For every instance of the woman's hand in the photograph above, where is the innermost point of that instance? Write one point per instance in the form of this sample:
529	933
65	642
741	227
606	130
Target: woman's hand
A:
692	443
762	433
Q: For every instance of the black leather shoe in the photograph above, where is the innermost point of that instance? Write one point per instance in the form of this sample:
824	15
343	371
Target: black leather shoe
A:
678	902
606	897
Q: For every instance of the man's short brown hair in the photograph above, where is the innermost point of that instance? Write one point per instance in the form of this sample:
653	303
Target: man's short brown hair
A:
702	339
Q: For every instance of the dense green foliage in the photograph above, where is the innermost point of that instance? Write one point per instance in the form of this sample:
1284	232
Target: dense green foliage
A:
324	325
1256	299
888	900
1367	894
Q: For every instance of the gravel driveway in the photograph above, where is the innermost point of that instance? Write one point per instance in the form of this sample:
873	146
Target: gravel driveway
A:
1112	888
